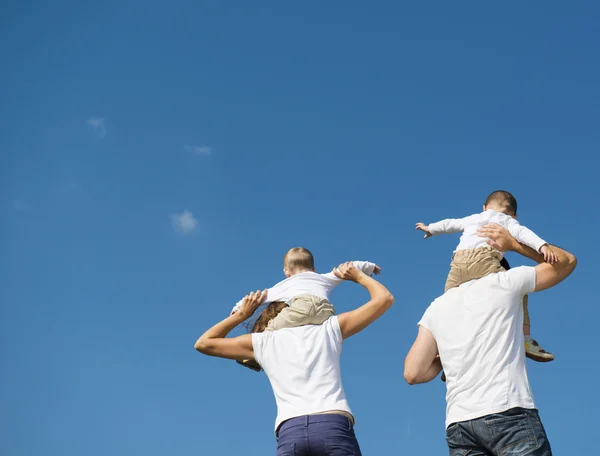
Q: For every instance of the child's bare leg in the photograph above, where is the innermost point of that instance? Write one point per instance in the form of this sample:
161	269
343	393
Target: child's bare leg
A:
533	350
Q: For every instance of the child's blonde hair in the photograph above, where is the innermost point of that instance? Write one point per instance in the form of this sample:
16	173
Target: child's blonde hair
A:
298	259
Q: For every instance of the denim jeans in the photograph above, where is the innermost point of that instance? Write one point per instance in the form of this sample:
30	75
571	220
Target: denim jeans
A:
317	435
515	432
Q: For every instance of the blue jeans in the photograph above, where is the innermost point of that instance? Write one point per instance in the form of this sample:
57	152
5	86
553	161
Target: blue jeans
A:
515	432
317	435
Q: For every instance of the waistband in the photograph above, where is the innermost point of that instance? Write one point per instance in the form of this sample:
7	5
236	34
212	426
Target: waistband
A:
312	419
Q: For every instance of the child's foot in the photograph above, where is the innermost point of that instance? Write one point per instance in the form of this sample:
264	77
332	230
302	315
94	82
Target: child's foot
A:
534	351
443	377
250	364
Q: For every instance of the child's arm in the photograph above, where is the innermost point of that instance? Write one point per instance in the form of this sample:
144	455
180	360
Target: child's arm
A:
365	266
272	294
527	237
446	226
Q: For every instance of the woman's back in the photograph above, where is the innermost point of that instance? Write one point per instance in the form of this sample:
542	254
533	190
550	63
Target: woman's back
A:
303	366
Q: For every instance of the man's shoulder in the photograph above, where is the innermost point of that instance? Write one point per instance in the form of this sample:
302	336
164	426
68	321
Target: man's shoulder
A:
519	279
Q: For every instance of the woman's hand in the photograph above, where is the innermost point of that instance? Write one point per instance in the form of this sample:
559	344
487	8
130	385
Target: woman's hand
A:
251	302
348	271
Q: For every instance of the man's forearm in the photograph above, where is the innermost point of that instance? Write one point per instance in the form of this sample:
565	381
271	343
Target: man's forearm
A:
562	255
432	372
428	375
528	252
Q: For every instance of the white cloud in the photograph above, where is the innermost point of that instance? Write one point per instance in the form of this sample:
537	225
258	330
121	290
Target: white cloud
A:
200	150
185	222
98	125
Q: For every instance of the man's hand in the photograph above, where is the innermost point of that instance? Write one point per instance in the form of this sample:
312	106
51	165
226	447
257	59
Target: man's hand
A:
549	255
347	271
251	302
498	237
376	270
422	227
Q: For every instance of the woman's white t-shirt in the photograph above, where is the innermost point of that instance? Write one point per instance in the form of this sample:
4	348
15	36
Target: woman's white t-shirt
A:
303	366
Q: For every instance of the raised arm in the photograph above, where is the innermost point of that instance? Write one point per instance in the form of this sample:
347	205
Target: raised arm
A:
381	300
446	226
215	342
546	275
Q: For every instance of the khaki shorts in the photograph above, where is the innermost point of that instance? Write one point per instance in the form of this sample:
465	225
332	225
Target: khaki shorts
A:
304	309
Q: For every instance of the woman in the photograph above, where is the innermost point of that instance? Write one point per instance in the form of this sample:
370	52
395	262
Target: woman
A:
303	366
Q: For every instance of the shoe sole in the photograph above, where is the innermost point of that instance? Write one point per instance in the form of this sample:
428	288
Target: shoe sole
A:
539	358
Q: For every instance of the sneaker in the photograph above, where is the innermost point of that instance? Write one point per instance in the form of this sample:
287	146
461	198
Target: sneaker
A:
250	364
534	351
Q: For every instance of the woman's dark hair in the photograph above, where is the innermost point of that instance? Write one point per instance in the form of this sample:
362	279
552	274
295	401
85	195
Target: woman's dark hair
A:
270	312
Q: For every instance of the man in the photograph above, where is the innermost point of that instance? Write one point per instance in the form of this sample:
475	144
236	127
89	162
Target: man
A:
474	331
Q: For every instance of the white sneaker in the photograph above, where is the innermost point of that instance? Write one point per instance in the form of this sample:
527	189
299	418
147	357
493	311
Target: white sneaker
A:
534	351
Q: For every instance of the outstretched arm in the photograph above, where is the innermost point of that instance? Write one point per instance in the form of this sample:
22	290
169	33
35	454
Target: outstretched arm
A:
422	364
214	342
446	226
381	300
365	266
546	275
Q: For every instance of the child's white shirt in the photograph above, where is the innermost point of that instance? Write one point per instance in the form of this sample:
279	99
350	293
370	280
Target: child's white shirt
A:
308	283
469	226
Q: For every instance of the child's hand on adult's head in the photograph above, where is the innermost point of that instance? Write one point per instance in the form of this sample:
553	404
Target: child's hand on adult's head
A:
251	302
422	227
347	271
549	255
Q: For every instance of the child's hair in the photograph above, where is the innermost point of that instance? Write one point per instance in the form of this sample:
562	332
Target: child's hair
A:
298	259
503	199
270	312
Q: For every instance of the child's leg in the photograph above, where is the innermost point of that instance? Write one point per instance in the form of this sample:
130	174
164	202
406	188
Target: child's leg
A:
526	320
453	279
472	264
533	350
303	310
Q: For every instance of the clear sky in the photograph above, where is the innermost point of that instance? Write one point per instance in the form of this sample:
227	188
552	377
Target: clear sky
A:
159	158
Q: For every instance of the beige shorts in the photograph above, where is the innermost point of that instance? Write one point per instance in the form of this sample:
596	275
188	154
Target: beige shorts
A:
304	309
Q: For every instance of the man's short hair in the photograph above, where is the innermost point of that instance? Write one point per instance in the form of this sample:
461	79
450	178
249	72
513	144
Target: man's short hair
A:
298	259
504	199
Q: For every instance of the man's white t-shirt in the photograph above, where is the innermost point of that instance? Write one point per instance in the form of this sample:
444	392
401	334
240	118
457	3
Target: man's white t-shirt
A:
478	328
303	366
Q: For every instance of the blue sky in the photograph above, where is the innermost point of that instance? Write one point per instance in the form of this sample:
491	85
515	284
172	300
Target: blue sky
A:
158	159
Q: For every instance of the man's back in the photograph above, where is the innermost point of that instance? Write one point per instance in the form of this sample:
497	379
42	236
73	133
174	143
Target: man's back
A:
478	330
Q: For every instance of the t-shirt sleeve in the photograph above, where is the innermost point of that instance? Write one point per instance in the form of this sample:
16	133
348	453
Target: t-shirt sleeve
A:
257	345
427	320
335	332
521	279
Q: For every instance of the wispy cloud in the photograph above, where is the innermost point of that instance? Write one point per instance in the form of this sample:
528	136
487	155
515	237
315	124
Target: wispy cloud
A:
98	125
184	223
200	150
